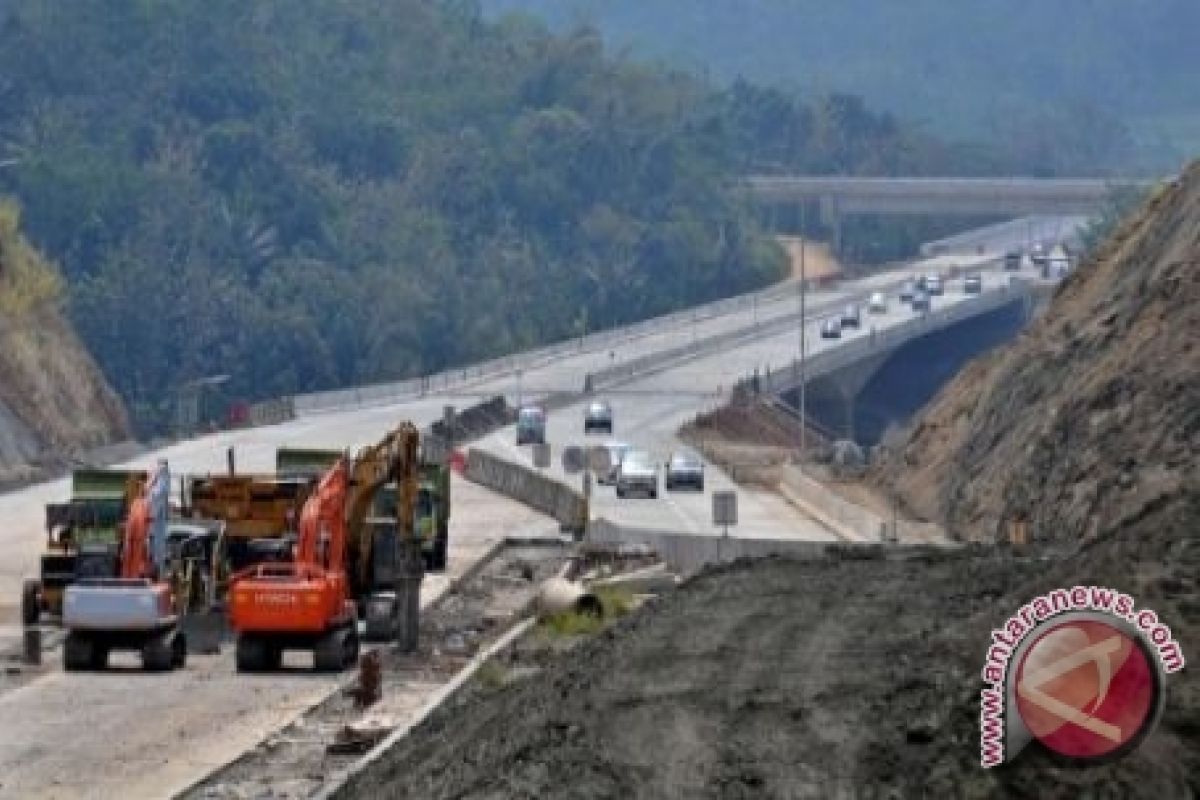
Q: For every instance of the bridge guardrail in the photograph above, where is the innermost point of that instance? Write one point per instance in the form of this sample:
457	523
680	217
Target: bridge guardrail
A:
382	393
618	373
826	361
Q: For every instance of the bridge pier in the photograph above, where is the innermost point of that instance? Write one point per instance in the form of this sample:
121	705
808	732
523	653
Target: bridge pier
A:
831	218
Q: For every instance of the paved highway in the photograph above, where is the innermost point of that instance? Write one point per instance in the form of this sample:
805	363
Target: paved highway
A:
649	410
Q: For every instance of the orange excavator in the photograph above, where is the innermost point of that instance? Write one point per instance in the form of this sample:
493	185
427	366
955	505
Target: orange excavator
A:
136	610
311	602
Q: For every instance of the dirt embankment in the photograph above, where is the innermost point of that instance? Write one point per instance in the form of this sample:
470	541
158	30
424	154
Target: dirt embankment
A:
846	677
54	402
818	259
1092	418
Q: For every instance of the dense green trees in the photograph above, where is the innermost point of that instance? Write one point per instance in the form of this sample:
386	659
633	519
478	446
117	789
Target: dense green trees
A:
304	193
1068	85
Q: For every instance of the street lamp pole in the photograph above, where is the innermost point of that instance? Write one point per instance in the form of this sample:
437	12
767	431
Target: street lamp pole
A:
803	325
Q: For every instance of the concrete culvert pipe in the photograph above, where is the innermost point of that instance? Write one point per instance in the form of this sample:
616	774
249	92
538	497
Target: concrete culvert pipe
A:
559	594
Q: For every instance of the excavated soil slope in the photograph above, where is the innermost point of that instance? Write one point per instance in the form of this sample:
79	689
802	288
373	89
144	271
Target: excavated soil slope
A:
54	402
1092	418
847	677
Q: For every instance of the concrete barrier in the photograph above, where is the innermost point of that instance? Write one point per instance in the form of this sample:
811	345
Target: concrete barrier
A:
383	393
529	487
620	373
271	412
687	554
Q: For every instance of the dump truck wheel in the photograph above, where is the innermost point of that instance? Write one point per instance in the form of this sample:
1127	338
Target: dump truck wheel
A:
31	602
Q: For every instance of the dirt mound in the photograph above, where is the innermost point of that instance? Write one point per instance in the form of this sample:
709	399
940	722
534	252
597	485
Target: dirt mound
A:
819	261
802	679
54	402
748	421
1092	418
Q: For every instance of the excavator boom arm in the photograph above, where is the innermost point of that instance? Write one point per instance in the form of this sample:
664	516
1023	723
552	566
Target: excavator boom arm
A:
395	458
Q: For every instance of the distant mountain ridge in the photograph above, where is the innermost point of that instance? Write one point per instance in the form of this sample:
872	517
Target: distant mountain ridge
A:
974	67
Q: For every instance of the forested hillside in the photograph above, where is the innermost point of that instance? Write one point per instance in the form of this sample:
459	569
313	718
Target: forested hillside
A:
1072	85
306	194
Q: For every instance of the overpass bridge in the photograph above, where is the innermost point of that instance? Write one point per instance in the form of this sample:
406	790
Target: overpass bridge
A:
838	197
857	389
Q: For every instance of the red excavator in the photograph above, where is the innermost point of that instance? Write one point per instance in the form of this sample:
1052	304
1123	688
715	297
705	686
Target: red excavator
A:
311	603
135	611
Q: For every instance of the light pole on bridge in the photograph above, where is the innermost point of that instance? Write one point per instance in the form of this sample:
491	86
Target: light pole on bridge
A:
803	325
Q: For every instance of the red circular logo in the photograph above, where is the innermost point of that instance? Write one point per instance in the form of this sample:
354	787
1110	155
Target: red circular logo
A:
1086	689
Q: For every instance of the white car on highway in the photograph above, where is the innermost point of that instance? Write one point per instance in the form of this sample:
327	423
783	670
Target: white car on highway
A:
877	304
616	454
638	474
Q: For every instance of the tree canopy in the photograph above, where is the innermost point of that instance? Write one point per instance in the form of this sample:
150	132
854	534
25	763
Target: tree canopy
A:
1069	85
304	194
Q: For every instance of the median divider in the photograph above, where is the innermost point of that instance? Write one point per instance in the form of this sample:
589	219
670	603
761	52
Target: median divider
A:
529	487
687	553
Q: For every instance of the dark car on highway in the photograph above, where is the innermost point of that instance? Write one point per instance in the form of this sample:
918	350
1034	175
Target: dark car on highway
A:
531	425
684	470
598	418
851	317
920	301
973	284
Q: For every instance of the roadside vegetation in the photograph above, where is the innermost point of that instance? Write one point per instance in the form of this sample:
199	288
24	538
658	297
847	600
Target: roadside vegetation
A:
27	280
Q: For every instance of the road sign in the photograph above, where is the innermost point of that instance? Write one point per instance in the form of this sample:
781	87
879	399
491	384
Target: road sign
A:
572	459
599	460
541	455
724	508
